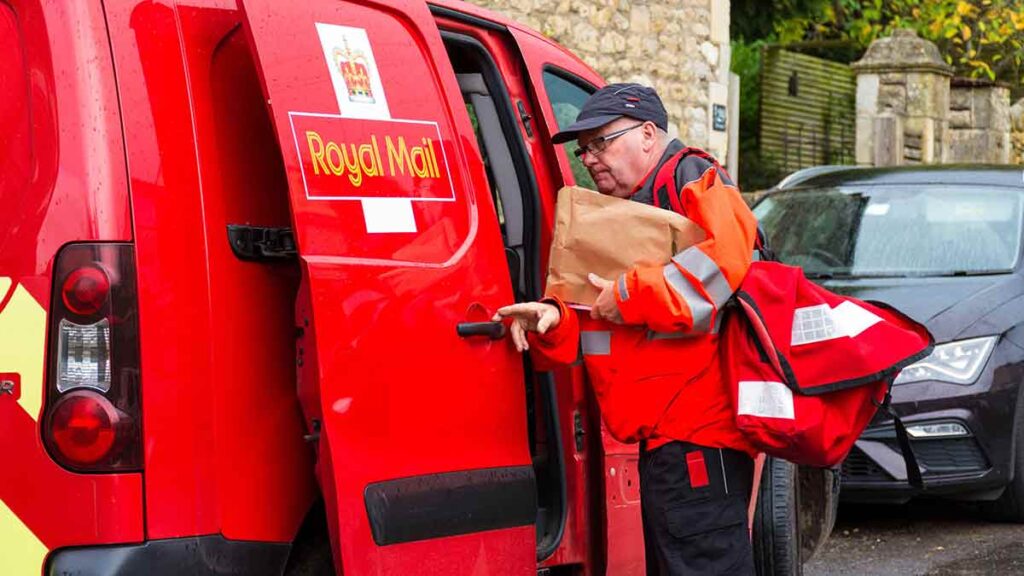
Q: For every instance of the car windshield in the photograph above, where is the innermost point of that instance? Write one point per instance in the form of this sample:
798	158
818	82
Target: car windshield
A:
920	230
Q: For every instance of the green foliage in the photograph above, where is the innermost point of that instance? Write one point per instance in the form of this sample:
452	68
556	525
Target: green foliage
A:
746	63
756	172
980	38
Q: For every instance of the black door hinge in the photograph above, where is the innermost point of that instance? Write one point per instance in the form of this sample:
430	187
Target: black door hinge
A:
314	431
579	433
525	117
261	244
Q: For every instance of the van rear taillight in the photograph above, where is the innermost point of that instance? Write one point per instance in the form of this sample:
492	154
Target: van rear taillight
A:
84	427
93	419
85	290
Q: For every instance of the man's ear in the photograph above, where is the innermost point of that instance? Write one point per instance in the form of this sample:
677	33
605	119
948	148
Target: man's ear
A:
650	132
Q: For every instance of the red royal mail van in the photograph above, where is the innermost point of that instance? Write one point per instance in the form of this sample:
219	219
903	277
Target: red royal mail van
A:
248	257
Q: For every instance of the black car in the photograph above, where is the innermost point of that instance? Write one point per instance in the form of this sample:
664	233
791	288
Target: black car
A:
943	245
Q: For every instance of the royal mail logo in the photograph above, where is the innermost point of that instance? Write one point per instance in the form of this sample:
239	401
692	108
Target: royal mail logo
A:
353	70
359	158
353	67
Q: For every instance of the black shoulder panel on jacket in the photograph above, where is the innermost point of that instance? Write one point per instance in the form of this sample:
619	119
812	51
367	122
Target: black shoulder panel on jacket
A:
693	167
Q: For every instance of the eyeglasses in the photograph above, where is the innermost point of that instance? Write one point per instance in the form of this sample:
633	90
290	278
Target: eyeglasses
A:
598	145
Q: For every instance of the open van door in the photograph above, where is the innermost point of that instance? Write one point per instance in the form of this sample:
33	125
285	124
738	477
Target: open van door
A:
413	397
562	82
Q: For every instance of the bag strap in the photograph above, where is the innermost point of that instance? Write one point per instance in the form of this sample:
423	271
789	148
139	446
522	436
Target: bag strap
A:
666	176
903	438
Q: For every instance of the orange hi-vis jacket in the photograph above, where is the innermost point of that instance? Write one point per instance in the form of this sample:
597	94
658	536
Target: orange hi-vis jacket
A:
657	377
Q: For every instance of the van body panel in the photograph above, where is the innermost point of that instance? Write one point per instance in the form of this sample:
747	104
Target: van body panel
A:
62	180
397	249
223	431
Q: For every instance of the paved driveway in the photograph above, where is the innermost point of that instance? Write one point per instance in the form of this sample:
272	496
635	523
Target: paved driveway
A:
922	538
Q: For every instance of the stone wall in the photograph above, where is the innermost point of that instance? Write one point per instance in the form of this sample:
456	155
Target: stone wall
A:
681	47
979	122
1017	132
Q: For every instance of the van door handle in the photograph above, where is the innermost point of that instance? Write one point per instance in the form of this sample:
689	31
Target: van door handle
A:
493	330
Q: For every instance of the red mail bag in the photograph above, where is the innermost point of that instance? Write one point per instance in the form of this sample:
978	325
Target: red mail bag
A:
808	368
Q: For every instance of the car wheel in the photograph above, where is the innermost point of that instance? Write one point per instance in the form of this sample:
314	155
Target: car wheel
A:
776	535
1009	507
819	507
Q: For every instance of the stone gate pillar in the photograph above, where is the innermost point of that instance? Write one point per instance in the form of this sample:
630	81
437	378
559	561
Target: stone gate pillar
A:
903	96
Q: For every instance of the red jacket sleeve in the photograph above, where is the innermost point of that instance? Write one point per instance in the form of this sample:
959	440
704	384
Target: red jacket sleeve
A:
560	345
686	294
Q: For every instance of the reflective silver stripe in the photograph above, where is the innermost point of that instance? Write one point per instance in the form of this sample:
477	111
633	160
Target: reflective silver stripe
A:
596	343
704	269
623	293
721	460
699	306
756	256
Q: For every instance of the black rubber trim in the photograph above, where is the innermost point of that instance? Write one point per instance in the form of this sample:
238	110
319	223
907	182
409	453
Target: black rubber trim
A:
198	556
466	18
569	77
451	503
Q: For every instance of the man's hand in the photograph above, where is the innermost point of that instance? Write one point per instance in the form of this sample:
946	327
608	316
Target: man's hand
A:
605	307
535	316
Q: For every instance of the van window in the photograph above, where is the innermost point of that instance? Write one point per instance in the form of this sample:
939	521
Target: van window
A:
15	151
489	108
566	100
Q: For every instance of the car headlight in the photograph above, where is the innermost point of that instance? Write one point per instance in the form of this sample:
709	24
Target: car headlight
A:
958	362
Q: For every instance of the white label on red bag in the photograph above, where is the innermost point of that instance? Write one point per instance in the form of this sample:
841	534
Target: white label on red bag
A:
769	399
821	322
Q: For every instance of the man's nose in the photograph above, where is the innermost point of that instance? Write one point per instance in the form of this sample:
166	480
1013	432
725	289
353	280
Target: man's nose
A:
588	159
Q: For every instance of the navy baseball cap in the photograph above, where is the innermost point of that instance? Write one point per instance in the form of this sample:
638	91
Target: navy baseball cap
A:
613	102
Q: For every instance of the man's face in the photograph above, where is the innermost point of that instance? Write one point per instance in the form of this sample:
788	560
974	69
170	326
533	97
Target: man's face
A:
617	169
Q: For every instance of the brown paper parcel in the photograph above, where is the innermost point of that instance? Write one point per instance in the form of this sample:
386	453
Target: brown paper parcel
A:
607	236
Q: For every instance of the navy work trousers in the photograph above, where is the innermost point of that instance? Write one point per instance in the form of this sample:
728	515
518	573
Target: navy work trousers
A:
694	503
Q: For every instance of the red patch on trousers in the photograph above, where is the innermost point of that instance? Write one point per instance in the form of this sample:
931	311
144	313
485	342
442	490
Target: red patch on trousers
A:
698	469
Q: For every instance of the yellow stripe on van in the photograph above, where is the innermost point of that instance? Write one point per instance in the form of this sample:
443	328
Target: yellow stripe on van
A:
23	345
22	348
20	551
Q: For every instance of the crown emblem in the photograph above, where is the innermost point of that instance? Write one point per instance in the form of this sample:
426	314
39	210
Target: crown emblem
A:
353	67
